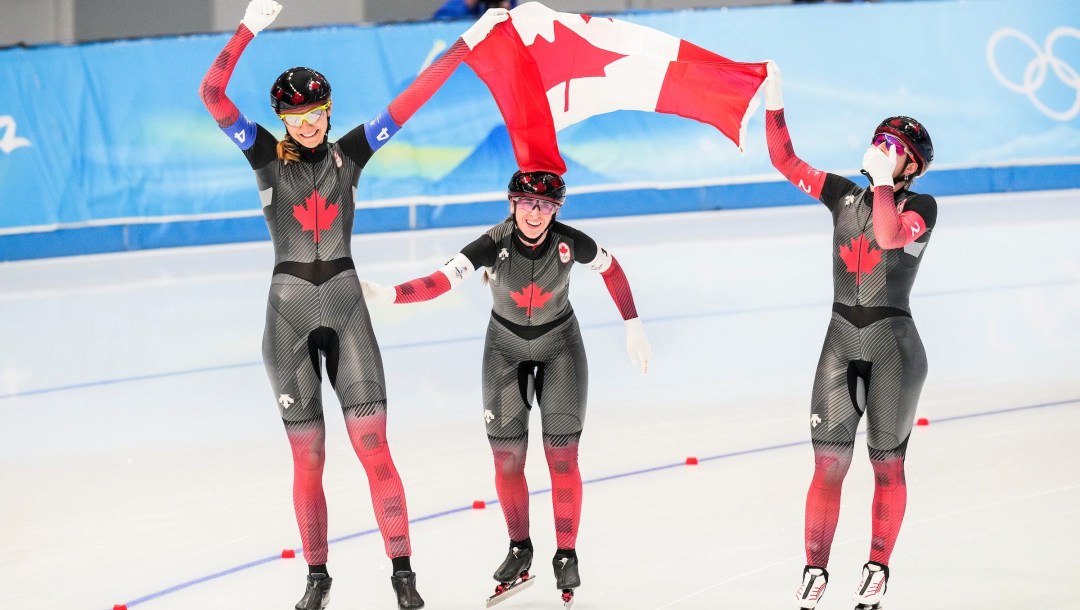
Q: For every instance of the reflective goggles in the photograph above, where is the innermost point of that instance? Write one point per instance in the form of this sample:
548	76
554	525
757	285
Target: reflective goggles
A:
528	204
310	116
890	140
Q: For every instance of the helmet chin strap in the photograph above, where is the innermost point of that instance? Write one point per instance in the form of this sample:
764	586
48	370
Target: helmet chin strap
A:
533	241
901	179
525	238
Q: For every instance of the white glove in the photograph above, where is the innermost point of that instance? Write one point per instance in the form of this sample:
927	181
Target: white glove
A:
377	293
773	99
637	345
880	165
260	14
483	26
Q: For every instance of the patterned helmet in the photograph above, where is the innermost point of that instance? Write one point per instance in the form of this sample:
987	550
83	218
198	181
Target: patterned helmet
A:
913	135
298	87
542	185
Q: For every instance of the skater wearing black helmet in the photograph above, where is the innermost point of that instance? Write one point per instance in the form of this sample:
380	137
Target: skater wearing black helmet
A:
316	308
533	350
873	360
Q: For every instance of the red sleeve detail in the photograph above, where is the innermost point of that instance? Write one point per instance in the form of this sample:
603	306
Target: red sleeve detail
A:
782	153
619	287
894	229
212	90
427	83
422	289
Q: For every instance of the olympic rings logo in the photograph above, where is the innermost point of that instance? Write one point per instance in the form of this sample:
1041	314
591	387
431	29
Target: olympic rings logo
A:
1036	72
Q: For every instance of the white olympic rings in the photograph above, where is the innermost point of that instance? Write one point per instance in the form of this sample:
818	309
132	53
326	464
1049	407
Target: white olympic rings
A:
1036	71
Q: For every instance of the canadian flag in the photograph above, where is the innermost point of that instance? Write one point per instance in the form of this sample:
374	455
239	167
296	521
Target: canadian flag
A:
548	70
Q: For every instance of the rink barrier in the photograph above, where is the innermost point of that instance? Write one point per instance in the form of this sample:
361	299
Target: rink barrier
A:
147	234
90	163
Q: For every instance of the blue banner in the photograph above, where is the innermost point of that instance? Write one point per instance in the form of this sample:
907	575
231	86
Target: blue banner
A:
107	146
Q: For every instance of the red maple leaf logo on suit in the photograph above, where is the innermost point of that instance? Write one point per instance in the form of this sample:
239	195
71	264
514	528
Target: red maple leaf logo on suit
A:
569	56
861	257
531	297
315	215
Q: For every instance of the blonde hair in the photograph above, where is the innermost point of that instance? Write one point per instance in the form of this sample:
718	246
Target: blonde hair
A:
287	150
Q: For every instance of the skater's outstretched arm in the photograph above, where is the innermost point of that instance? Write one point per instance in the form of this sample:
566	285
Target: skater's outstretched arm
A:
480	253
781	151
379	130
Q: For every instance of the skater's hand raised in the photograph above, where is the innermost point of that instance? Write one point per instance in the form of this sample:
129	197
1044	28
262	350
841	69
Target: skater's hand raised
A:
637	345
880	165
773	99
260	14
483	26
377	293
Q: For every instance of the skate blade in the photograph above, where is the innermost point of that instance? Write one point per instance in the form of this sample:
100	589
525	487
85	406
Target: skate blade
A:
513	589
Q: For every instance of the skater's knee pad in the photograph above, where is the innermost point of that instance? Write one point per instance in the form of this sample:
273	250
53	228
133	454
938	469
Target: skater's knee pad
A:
889	466
367	433
509	454
561	453
831	464
308	443
308	456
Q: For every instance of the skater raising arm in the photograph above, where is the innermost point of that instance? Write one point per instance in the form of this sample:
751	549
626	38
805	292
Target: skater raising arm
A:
894	228
533	351
315	309
873	360
287	100
781	151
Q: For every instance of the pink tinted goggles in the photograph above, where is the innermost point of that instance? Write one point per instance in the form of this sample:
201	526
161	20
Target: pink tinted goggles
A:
890	140
526	204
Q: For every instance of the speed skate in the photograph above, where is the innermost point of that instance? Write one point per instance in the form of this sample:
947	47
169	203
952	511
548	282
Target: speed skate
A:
505	591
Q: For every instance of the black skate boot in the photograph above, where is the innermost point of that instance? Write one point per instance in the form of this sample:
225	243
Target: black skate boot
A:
405	586
566	574
516	565
513	574
872	584
317	594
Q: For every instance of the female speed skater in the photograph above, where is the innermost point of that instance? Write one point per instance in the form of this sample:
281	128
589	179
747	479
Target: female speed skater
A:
873	360
533	350
316	308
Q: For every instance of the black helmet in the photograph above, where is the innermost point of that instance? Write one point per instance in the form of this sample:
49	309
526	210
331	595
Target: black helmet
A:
298	87
543	185
914	135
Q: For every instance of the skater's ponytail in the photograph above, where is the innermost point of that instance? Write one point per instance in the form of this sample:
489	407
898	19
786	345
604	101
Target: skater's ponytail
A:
287	150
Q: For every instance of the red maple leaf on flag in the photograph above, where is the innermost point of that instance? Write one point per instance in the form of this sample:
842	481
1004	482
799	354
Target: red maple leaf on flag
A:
315	215
861	257
567	57
530	297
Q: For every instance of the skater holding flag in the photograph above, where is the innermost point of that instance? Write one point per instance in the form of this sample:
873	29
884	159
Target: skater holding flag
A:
316	308
873	360
548	70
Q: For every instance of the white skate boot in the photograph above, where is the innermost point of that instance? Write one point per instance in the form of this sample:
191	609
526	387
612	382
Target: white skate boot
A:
812	587
875	577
